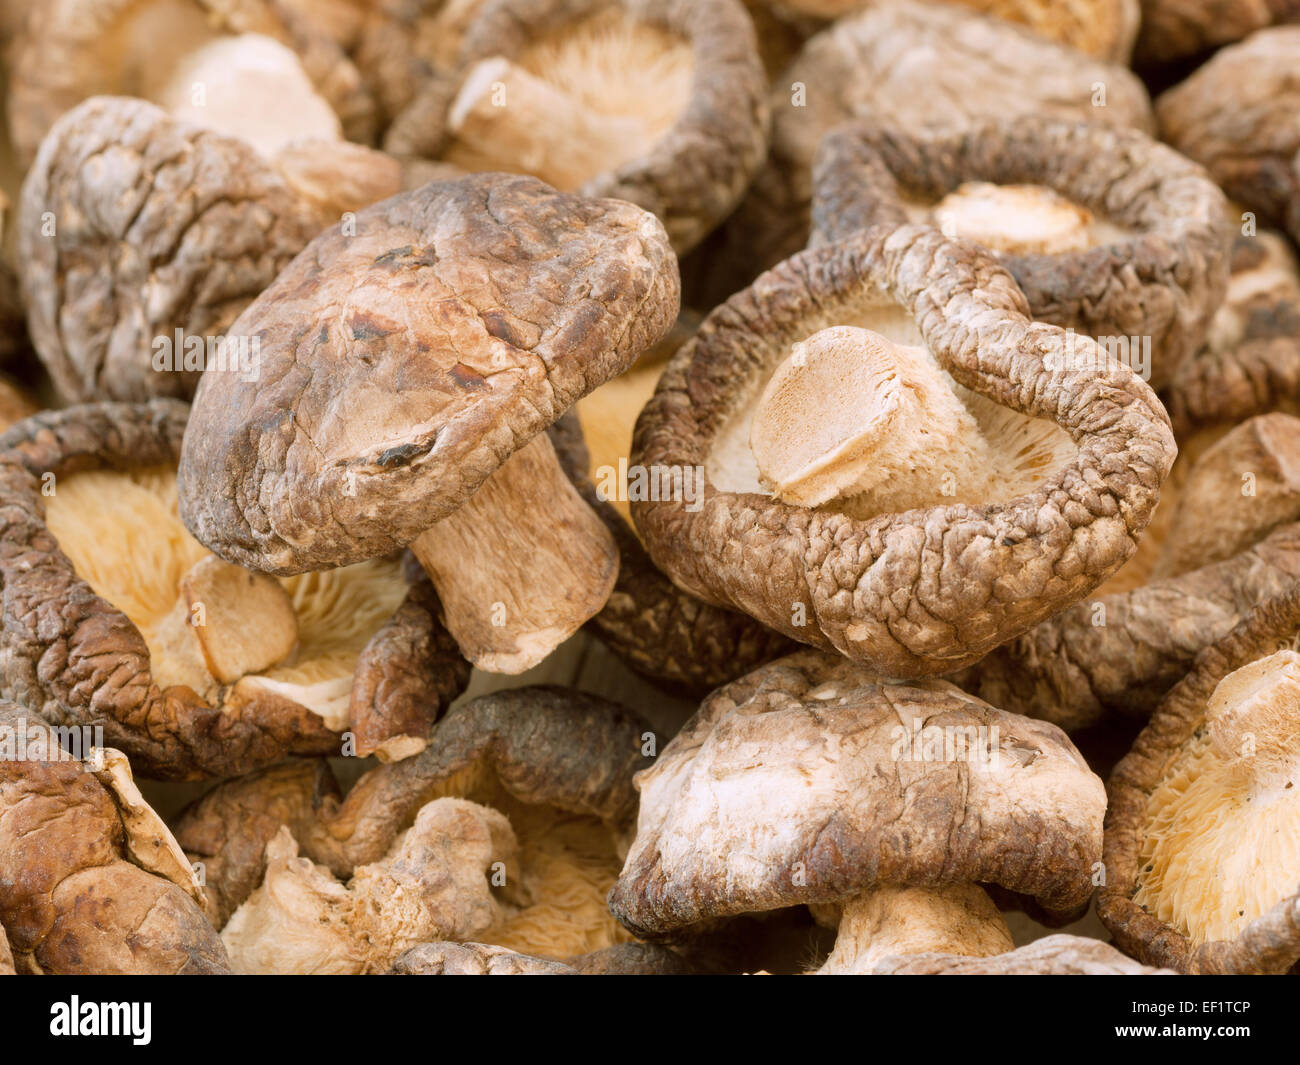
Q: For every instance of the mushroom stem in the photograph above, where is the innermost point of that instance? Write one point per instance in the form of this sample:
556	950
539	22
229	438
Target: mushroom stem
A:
1254	720
851	416
506	115
956	919
1014	219
521	565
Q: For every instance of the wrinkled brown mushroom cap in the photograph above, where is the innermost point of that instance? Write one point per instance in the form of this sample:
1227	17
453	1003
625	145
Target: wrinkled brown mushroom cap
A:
1173	29
1225	552
546	747
1059	955
690	177
1157	268
82	661
89	883
70	50
798	784
1270	943
1239	116
402	365
664	633
133	226
921	591
961	67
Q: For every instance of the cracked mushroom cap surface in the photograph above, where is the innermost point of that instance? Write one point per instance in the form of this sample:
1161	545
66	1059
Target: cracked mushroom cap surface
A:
989	508
1201	856
1231	542
656	102
116	617
1239	116
70	50
960	67
401	366
91	880
1105	230
554	765
664	633
1174	29
810	781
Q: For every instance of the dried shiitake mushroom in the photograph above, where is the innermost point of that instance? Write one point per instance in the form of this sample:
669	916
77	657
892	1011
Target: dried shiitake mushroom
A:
409	368
6	955
1203	872
813	782
142	238
1059	955
1174	29
677	641
1250	363
115	617
252	68
891	469
540	779
652	101
1105	230
1232	540
483	959
91	880
1239	115
960	67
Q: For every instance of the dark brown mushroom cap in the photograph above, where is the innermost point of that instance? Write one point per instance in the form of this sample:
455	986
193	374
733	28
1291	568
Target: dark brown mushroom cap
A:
1270	943
693	176
1174	29
68	50
76	897
961	66
133	226
81	661
547	746
675	640
922	591
402	365
1060	955
798	784
1239	115
1250	363
1122	652
1163	281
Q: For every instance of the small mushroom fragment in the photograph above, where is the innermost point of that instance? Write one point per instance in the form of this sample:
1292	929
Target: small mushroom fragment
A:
549	771
117	618
6	955
1018	489
1239	115
255	69
1250	363
483	959
659	103
1105	230
1175	29
91	880
1200	838
812	781
960	67
409	368
1232	541
669	636
143	238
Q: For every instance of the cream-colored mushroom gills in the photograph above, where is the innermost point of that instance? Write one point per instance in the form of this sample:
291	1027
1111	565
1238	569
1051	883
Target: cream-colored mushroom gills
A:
956	919
1222	841
580	102
298	636
1021	219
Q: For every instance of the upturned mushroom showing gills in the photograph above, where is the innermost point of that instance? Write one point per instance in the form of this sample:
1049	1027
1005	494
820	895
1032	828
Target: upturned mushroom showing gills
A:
898	464
409	371
884	805
1106	230
656	102
1201	838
